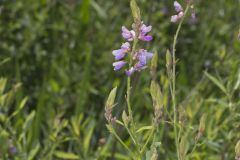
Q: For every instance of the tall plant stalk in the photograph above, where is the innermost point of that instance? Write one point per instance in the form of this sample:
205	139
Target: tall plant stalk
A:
129	86
176	135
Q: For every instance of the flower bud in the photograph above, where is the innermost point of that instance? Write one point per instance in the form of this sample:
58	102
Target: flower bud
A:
109	105
111	98
125	118
168	59
135	11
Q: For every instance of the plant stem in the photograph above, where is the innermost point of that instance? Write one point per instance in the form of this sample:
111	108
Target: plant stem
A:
121	141
129	86
174	82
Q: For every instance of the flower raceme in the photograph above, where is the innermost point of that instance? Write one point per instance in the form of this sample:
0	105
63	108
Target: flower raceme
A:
140	57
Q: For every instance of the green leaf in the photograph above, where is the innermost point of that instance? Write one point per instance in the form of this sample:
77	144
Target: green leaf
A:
119	122
65	155
3	82
21	106
99	10
88	136
85	11
184	146
144	128
5	61
75	126
34	152
216	82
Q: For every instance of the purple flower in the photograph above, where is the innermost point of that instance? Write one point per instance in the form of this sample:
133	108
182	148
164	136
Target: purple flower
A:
120	53
143	31
177	17
139	57
142	57
179	10
118	65
139	66
12	150
178	7
130	71
174	18
128	35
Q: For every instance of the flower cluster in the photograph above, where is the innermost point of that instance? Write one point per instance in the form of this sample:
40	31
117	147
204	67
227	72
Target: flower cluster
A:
140	57
179	10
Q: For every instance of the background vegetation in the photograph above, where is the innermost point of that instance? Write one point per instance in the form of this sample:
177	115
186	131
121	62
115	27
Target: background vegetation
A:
56	72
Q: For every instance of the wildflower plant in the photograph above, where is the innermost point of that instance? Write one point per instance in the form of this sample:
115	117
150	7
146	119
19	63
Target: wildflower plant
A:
132	58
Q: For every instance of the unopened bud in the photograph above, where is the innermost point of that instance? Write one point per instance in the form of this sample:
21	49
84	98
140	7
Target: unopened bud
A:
110	104
111	98
135	11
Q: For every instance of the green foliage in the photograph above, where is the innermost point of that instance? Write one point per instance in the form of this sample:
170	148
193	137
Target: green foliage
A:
55	68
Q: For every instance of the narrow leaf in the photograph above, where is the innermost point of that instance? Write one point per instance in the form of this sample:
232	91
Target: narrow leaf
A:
144	128
216	82
65	155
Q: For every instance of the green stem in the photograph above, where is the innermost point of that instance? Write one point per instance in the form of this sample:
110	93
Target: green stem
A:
129	86
121	141
174	82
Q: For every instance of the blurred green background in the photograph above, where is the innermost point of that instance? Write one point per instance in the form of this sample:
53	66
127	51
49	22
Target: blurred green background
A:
56	57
